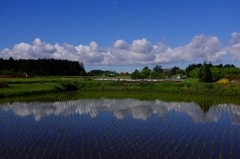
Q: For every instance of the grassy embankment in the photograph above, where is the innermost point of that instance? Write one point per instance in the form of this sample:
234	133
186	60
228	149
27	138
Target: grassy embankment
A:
149	90
55	88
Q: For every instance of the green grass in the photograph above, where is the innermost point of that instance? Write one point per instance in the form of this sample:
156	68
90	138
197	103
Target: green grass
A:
43	85
27	89
72	88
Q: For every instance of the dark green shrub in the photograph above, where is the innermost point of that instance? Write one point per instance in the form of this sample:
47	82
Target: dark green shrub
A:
232	77
3	84
209	86
68	86
87	79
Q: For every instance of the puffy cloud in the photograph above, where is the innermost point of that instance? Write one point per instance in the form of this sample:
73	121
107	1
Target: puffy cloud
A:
140	52
235	38
141	46
39	49
234	50
91	54
201	47
120	44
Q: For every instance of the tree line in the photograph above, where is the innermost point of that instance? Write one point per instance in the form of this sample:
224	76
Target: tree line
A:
42	67
205	72
102	73
157	73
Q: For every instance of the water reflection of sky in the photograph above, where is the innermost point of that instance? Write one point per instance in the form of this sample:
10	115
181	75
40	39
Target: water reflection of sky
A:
121	108
126	128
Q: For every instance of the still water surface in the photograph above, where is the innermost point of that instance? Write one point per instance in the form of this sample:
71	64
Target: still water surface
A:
118	128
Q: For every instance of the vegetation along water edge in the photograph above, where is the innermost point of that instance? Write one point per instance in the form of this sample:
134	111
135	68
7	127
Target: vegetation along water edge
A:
75	87
205	79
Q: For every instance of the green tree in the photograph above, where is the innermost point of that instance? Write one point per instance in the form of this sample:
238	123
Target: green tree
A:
157	72
42	66
191	67
229	66
145	73
96	72
194	73
205	74
174	70
217	73
180	72
158	69
136	74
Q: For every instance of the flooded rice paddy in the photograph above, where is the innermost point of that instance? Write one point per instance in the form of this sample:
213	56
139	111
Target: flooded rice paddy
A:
118	128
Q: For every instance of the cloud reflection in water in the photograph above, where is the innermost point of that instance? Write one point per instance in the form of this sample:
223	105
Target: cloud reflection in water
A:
120	108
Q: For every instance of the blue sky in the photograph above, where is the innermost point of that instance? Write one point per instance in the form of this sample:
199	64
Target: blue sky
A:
122	35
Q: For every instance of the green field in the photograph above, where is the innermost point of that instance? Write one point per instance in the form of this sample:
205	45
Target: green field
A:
64	117
36	85
68	88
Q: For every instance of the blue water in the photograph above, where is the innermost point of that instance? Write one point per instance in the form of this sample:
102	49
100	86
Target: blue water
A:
126	128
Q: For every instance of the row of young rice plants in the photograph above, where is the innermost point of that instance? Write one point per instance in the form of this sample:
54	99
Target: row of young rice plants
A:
177	138
27	138
93	130
231	125
20	136
202	138
144	139
217	138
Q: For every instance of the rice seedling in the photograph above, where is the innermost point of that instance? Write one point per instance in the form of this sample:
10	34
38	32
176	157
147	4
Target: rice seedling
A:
92	129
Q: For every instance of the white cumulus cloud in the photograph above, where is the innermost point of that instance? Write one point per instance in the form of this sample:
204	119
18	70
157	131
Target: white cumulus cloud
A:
139	52
121	44
234	50
203	48
235	38
141	46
